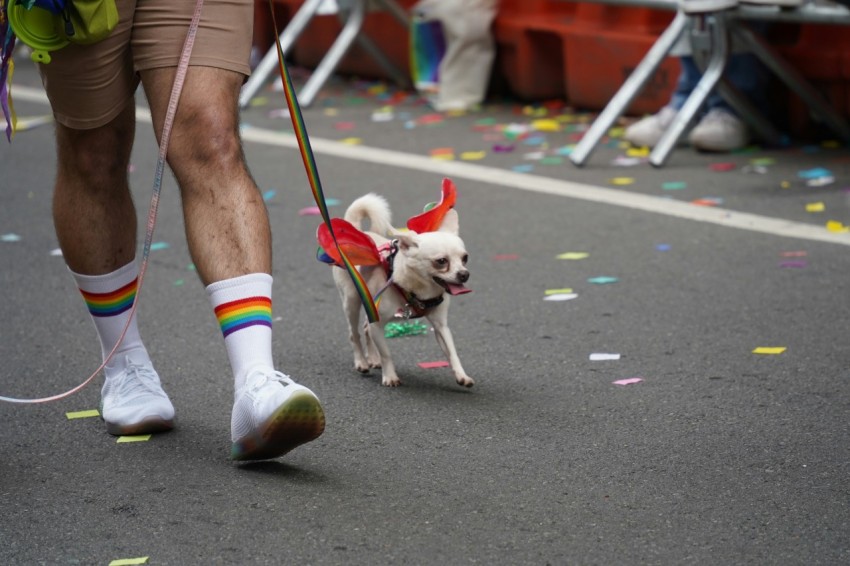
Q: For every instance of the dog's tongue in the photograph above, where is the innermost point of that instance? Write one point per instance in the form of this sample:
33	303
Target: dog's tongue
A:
455	289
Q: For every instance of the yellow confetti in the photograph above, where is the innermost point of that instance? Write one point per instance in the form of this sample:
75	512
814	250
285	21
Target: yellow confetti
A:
134	438
815	207
82	414
769	350
351	141
129	561
616	132
546	125
558	291
473	155
638	152
573	255
621	181
785	185
377	89
331	111
836	226
456	113
258	101
443	156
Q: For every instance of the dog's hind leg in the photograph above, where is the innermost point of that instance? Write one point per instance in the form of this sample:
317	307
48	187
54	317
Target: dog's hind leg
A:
389	377
351	305
372	354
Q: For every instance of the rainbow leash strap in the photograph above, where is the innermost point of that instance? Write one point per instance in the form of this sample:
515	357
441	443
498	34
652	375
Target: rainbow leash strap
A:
313	173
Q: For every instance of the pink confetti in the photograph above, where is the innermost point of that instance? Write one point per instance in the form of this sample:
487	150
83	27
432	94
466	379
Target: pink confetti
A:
310	211
344	125
628	381
722	167
433	365
501	148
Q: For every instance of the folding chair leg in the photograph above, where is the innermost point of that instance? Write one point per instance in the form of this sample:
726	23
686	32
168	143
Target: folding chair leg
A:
710	78
269	62
630	89
335	54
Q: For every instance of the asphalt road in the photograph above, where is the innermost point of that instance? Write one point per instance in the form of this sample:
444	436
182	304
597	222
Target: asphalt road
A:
718	456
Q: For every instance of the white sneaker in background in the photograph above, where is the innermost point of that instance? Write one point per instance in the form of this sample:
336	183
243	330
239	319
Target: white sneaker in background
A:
648	131
720	131
272	415
133	402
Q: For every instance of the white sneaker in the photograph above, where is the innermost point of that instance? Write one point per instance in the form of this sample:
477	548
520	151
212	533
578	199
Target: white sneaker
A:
720	131
704	6
272	415
648	131
133	402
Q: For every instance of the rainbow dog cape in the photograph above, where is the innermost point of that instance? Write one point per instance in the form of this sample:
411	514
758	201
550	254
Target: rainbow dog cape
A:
361	249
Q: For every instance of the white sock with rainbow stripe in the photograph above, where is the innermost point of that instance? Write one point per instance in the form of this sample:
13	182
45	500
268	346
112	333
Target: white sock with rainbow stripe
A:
243	307
109	299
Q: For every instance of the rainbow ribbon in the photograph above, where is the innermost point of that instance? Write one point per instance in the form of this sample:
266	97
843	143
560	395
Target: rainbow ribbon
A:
313	173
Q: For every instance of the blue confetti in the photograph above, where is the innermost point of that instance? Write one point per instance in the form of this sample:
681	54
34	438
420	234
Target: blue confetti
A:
160	246
815	173
269	195
523	168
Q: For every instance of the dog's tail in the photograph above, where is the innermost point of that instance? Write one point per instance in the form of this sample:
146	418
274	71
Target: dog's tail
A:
374	208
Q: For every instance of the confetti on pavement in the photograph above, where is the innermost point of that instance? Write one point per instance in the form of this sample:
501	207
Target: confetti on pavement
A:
769	350
815	207
10	237
134	438
560	297
566	291
160	246
434	365
674	185
601	357
129	561
622	181
602	280
722	167
628	381
82	414
573	255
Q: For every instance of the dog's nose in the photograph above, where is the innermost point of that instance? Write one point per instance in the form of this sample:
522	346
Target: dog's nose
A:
463	276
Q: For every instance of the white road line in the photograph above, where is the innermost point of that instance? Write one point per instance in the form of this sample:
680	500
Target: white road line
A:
528	182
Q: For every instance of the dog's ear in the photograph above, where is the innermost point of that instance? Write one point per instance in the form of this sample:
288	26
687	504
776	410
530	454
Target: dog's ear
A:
450	222
406	240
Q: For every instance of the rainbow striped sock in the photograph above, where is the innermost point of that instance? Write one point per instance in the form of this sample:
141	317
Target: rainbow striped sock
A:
111	304
243	308
244	313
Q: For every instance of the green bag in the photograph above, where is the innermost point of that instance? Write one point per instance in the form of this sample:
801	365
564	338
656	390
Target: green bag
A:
89	21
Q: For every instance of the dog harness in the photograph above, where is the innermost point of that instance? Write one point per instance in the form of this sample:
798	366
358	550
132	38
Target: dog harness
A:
414	307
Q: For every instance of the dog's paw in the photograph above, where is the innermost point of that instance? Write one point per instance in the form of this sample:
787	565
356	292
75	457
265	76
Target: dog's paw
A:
387	381
465	381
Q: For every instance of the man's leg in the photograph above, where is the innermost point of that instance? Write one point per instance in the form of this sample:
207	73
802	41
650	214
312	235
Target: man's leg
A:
95	223
229	236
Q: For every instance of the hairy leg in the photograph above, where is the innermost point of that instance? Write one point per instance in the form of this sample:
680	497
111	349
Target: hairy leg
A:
227	226
93	211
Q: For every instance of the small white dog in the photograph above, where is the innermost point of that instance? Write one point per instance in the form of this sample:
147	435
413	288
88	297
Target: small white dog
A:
423	270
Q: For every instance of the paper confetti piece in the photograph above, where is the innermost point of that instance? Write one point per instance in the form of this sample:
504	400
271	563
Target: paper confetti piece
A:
546	125
351	141
310	211
552	160
560	297
623	161
637	152
836	226
160	246
134	438
557	291
344	126
674	185
815	207
473	155
663	247
707	201
629	381
622	181
82	414
794	264
434	365
769	350
269	195
534	155
601	357
794	254
602	280
573	255
523	168
722	167
259	101
814	173
820	181
332	201
129	561
503	148
10	237
56	252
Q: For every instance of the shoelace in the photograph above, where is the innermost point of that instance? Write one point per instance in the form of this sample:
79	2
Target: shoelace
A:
139	380
277	376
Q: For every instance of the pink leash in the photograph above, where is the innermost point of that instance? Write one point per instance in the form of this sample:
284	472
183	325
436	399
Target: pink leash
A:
179	79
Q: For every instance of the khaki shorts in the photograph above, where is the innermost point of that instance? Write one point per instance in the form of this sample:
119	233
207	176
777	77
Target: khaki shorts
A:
89	85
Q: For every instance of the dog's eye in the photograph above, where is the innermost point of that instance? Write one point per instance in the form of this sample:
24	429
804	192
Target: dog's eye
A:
465	258
441	262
